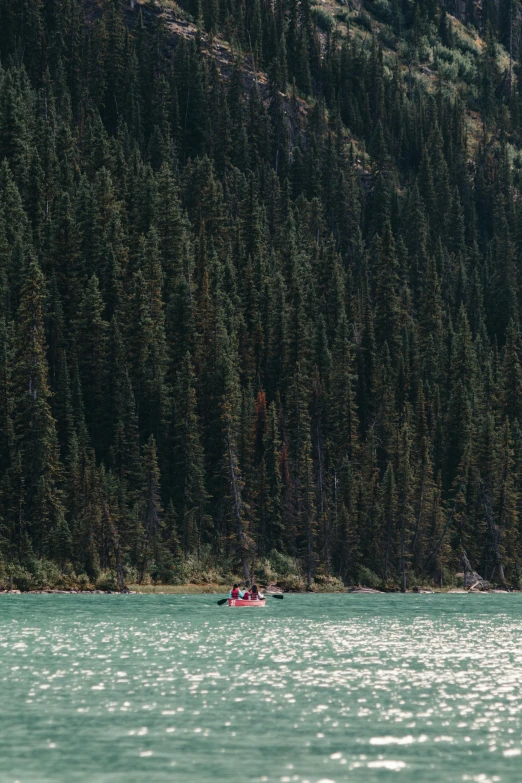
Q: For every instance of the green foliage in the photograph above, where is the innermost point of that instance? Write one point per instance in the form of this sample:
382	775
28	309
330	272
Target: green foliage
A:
453	65
367	578
207	569
387	37
323	19
381	9
42	574
327	584
283	565
364	20
106	580
466	43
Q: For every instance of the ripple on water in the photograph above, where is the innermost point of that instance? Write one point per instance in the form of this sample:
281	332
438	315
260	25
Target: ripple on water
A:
316	689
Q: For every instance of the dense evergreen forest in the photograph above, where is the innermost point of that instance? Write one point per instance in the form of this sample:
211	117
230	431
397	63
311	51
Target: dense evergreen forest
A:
260	291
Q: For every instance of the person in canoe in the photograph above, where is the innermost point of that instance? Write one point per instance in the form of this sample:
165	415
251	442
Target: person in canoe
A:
246	595
234	593
255	595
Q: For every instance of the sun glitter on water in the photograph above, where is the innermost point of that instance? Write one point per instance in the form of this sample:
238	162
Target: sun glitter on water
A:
319	689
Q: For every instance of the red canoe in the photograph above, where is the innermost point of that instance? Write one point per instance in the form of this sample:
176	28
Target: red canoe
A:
240	602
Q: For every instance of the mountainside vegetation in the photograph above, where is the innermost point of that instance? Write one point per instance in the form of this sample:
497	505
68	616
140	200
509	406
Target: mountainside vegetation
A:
260	291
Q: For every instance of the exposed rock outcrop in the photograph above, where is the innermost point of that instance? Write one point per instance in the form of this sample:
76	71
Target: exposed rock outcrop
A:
271	589
363	590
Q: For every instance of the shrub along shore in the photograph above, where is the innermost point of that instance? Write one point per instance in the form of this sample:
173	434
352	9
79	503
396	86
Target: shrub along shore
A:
207	575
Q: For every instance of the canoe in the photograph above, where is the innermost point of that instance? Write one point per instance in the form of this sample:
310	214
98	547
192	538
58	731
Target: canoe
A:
239	602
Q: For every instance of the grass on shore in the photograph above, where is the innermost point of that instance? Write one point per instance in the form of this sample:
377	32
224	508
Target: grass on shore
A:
180	589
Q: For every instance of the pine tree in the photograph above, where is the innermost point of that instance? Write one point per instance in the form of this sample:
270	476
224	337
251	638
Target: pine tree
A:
34	427
150	512
188	464
6	422
276	535
512	375
387	304
303	480
404	505
125	446
146	334
91	339
344	420
506	533
389	523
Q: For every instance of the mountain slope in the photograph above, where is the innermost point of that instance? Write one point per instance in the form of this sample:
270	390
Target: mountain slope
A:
260	292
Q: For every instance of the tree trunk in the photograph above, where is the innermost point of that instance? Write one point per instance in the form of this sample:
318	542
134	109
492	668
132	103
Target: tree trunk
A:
494	531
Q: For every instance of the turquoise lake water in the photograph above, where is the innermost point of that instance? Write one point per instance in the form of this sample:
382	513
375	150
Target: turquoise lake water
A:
324	689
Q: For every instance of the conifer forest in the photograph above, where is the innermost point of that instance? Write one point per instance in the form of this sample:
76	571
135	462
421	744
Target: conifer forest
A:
260	291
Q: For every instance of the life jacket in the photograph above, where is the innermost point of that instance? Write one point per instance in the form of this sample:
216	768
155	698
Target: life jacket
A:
254	596
246	596
235	593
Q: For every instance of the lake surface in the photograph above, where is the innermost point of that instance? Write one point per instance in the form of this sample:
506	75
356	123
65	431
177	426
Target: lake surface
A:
334	688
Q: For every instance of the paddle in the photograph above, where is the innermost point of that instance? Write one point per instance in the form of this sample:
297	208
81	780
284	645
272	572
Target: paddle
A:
273	595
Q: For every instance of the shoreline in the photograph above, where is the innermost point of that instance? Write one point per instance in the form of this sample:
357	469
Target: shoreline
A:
213	589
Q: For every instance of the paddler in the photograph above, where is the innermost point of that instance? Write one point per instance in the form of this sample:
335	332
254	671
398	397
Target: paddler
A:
234	593
255	595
